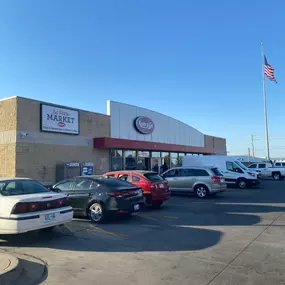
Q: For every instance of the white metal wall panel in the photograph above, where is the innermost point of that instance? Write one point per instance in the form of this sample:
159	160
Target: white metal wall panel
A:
167	129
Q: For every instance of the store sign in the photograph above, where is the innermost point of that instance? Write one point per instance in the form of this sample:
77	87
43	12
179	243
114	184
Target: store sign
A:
59	120
144	125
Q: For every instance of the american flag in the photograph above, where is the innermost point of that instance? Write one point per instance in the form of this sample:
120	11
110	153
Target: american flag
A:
269	70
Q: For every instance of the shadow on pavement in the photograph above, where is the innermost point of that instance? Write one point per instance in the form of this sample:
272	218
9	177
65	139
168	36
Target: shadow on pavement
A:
156	230
149	238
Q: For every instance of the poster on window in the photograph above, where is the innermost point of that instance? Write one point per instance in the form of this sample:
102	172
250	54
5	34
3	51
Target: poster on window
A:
59	120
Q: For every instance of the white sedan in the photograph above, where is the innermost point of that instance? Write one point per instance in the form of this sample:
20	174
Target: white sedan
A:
26	205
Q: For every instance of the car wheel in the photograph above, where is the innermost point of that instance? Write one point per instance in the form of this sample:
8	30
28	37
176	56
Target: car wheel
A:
276	176
242	183
96	213
201	191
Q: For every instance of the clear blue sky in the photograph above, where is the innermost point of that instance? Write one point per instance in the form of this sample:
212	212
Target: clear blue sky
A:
197	61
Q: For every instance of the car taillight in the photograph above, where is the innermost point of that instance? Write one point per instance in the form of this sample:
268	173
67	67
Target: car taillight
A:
216	179
33	206
152	186
20	208
118	194
62	202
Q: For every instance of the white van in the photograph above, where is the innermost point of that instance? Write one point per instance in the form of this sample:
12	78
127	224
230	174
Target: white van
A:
234	171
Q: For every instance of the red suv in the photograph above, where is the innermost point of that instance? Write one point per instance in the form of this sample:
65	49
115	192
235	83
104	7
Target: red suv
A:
155	188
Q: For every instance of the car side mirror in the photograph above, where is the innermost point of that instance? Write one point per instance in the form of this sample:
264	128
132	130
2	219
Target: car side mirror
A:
55	190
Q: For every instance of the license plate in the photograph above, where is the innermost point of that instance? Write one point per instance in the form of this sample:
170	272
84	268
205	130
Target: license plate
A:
136	207
49	218
161	185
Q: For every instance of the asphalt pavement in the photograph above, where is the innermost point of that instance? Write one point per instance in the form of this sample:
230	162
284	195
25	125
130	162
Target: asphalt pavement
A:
234	238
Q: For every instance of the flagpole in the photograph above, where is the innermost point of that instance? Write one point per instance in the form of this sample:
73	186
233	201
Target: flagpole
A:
265	105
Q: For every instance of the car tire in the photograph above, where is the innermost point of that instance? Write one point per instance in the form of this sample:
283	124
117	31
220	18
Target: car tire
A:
96	213
201	191
276	176
241	183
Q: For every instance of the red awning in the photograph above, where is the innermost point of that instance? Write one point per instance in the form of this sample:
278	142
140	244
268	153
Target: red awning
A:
145	145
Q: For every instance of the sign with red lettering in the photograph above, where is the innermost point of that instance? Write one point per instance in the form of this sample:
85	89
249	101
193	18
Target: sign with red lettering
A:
59	120
144	125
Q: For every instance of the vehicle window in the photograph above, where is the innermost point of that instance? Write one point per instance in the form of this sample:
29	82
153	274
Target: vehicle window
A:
278	164
253	166
65	185
240	164
2	184
186	172
233	167
153	177
82	184
216	171
93	185
136	179
283	164
110	176
200	172
170	173
22	187
124	177
261	165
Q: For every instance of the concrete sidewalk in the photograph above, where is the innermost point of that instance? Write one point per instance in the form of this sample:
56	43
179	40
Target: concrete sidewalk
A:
8	268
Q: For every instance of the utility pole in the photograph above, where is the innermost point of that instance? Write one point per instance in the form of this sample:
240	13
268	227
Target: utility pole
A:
252	145
249	154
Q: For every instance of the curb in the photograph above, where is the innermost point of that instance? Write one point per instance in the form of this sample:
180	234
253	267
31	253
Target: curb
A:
8	268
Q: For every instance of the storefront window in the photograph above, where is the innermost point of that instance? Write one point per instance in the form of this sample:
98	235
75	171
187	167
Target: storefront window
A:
180	159
143	160
116	159
155	154
173	159
130	160
165	160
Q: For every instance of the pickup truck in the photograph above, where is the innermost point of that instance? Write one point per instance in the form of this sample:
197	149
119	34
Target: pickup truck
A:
277	173
266	170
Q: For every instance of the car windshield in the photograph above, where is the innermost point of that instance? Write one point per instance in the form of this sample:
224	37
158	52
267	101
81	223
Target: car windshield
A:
21	187
153	177
241	165
216	171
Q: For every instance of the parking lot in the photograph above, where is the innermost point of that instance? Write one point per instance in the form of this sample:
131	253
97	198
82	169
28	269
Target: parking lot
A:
236	237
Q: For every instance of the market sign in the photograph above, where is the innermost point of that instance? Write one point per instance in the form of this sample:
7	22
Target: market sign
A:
59	120
144	125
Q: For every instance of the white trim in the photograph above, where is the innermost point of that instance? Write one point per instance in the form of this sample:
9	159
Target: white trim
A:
8	98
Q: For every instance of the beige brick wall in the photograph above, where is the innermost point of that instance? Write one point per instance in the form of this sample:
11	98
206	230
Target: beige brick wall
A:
38	161
8	109
7	160
91	124
38	153
220	144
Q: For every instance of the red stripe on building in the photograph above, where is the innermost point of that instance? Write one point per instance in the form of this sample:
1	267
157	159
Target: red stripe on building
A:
145	145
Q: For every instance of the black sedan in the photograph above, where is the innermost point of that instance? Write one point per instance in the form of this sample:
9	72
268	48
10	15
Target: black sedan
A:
98	197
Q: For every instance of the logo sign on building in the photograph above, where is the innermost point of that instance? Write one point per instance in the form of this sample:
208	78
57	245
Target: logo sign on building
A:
144	125
59	120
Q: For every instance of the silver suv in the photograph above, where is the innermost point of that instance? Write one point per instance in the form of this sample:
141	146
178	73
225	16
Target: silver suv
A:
202	181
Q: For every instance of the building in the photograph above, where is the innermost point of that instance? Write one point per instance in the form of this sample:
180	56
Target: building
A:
48	142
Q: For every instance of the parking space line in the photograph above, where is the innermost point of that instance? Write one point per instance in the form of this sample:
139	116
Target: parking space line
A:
109	233
156	216
170	217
